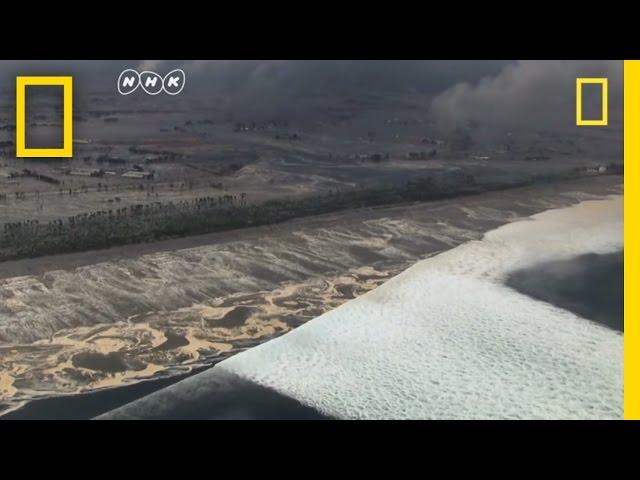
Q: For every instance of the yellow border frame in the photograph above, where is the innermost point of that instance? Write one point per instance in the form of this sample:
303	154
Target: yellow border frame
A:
631	238
604	120
67	119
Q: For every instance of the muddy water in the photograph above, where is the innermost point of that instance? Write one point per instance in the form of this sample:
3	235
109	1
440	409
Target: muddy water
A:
591	286
78	326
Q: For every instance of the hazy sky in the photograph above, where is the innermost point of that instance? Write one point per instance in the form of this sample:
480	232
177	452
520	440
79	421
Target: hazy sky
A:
494	92
298	75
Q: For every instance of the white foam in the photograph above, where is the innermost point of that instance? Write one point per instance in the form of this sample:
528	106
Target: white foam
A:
446	339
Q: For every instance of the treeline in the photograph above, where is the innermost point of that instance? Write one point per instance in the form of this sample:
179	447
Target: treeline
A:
156	221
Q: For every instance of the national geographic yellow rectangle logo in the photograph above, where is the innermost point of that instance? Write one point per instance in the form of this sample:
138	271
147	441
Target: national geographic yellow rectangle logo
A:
67	148
603	120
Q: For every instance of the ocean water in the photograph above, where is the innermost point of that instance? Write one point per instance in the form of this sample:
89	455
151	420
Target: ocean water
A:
453	304
448	339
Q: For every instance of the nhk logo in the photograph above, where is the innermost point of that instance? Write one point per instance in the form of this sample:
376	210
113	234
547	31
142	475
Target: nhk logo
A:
22	151
128	82
152	83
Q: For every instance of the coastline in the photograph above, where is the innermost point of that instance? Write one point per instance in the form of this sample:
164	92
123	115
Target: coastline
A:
480	221
456	342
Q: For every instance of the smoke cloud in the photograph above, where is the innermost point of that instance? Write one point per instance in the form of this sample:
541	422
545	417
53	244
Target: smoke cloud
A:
527	94
495	94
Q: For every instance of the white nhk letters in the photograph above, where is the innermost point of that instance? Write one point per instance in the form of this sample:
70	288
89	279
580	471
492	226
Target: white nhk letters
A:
151	82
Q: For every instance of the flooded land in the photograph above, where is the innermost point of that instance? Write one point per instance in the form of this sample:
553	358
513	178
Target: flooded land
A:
85	322
188	229
591	286
447	338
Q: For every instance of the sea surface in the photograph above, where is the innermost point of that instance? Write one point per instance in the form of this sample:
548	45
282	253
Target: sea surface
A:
119	324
